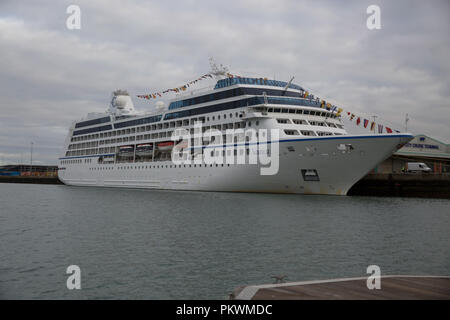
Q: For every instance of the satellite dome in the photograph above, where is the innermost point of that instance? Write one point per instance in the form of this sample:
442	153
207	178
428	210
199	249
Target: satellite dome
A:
121	103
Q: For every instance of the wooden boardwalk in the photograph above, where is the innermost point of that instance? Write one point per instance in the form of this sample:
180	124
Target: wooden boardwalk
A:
392	287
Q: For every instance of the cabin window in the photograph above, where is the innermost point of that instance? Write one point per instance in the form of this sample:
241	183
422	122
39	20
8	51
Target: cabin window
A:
307	133
299	121
291	132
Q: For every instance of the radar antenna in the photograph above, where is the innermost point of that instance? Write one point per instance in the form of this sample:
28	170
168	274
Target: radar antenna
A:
120	92
218	71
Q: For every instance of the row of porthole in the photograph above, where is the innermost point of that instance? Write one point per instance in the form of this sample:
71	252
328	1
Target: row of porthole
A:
164	166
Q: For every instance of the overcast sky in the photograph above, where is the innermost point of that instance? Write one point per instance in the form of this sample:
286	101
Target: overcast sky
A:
50	76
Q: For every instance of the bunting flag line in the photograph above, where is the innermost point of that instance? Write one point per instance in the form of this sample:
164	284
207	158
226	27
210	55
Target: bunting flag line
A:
373	124
154	95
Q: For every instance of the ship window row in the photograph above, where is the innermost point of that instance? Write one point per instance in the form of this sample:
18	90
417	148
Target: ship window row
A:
258	81
85	152
167	166
136	122
92	122
304	122
91	130
159	126
293	132
326	114
104	134
83	145
72	161
242	103
233	93
163	134
312	123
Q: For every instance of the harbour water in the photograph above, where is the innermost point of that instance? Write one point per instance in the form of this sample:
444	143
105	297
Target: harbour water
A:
149	244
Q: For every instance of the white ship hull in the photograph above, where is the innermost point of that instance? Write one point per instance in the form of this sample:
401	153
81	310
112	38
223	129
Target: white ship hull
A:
337	169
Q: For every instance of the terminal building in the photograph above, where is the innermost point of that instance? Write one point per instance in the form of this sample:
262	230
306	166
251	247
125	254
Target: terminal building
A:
434	153
28	170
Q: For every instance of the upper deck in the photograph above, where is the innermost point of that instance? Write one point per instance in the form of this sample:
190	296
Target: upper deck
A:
233	103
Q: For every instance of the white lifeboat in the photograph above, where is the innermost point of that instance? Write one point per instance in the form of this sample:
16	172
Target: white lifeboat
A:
165	146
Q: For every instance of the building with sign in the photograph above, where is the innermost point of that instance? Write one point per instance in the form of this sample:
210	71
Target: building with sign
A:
434	153
28	170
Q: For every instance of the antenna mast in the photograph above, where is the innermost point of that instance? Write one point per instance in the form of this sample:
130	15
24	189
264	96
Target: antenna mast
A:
406	123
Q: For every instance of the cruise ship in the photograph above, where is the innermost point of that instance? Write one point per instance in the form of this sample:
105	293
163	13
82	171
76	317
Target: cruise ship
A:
314	153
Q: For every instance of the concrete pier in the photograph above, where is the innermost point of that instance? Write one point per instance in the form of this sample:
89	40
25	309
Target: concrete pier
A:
30	179
403	185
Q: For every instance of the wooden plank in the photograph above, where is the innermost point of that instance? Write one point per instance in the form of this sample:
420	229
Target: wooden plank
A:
392	287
